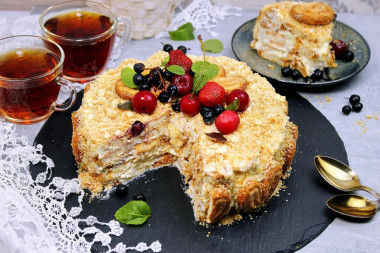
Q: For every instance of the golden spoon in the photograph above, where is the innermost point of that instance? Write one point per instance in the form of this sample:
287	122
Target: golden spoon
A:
340	175
353	205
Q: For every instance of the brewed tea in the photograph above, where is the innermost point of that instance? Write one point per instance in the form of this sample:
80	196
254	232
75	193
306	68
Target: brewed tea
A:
18	69
87	57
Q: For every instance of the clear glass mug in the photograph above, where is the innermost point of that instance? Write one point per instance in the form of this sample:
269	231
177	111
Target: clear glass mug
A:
86	31
30	79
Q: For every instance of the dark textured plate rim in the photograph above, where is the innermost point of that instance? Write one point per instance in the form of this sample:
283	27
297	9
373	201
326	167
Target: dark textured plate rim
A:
306	84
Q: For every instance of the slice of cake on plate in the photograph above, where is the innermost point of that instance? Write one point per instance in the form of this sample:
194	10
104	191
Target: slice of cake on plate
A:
296	34
232	173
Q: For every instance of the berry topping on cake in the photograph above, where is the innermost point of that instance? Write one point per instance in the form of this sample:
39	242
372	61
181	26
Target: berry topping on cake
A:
243	99
137	128
144	102
177	57
183	83
190	104
212	94
227	122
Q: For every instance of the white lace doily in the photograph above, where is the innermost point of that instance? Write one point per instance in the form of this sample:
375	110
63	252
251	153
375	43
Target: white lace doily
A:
33	216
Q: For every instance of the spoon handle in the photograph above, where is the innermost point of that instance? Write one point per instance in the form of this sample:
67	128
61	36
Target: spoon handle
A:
370	190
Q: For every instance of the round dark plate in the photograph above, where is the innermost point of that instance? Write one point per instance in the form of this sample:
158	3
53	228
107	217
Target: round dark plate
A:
287	223
344	71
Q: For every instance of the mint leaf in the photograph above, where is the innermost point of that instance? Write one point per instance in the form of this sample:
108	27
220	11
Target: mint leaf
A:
184	32
213	45
165	61
127	77
200	81
211	70
175	69
234	105
135	212
125	106
202	76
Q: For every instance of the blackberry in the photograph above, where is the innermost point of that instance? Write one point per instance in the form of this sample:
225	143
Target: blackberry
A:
175	106
172	90
121	190
137	128
139	67
163	97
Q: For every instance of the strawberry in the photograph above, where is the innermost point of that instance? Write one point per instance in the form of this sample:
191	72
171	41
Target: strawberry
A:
177	57
212	94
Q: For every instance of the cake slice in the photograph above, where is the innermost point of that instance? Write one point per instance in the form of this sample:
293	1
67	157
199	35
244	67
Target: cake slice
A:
238	175
296	34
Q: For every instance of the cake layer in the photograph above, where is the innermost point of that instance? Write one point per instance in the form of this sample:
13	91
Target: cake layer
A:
281	37
238	175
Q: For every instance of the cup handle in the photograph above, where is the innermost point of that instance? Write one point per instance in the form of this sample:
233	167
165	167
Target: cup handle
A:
127	31
73	95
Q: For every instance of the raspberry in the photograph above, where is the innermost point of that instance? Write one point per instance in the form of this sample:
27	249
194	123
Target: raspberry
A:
212	94
177	57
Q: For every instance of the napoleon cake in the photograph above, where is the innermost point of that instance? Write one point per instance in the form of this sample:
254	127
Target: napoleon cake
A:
296	34
227	171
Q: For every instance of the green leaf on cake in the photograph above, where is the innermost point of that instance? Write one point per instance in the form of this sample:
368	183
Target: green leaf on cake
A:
127	77
135	212
125	106
203	72
234	105
165	61
213	46
177	70
184	32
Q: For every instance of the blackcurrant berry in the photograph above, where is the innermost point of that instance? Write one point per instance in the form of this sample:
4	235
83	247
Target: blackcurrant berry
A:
139	67
121	190
175	106
218	110
348	56
168	75
172	90
317	75
137	128
144	86
357	107
139	196
163	97
346	109
183	49
295	74
285	71
208	117
354	99
138	79
204	110
167	48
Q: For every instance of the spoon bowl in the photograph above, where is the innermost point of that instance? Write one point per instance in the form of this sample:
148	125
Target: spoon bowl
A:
340	175
353	205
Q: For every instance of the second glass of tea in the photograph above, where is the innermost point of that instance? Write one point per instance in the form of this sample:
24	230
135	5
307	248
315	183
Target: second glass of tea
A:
86	31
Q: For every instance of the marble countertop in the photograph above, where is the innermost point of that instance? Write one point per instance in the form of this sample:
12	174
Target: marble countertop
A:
360	132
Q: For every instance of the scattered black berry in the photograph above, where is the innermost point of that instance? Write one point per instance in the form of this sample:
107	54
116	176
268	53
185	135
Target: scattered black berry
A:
346	109
285	71
139	67
295	74
172	90
138	79
354	99
317	75
121	190
139	196
156	72
218	109
163	97
348	55
208	117
175	106
168	48
168	75
183	49
205	110
144	86
357	107
137	128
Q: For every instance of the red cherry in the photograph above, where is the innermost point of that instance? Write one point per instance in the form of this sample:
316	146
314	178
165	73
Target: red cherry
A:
212	94
144	102
190	104
227	122
242	96
339	47
184	84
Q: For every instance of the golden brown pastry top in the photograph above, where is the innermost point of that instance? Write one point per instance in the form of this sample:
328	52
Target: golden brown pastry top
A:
313	13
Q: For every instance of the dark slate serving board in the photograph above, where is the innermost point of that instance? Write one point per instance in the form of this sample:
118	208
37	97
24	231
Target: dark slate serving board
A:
287	223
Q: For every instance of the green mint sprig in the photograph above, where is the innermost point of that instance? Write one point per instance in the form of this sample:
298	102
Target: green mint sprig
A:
203	71
213	46
184	32
234	105
135	212
176	69
127	77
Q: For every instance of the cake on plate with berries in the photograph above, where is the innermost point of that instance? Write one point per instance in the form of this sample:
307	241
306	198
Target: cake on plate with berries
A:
223	127
296	35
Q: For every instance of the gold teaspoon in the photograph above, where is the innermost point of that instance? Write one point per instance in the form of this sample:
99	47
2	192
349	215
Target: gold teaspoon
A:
340	175
353	205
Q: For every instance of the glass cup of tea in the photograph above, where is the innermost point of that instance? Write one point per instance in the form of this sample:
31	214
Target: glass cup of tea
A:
31	78
86	31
